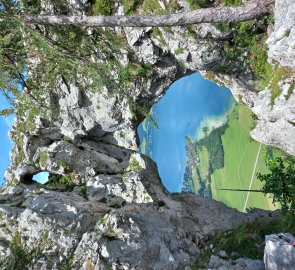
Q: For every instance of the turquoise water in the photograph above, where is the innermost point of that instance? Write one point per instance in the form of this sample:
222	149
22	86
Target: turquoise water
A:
179	113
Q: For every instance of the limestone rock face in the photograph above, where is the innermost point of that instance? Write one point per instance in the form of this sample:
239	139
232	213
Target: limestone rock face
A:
217	263
276	121
282	41
110	209
279	252
275	125
118	226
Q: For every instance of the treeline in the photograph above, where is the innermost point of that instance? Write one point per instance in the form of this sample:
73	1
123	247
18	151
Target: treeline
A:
213	143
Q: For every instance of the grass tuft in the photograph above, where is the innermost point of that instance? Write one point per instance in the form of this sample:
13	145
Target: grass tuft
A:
130	6
135	166
43	157
247	240
102	7
271	78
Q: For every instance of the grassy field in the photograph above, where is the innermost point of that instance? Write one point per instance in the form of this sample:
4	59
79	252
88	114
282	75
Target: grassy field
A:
239	160
204	161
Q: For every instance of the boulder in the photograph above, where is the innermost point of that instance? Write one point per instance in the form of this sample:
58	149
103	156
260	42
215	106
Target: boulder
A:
217	263
279	252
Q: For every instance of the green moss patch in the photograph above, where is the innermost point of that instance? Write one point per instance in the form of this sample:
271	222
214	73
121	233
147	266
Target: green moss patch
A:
102	7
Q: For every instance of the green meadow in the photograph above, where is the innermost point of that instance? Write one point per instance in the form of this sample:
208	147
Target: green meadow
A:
240	153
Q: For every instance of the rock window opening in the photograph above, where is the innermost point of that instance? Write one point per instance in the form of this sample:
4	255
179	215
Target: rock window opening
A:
203	143
41	177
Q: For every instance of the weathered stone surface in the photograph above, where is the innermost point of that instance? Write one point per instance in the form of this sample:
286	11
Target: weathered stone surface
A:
282	41
125	228
217	263
275	121
279	252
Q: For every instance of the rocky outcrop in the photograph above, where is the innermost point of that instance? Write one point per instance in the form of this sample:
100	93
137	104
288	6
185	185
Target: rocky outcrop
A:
107	207
279	252
276	120
282	39
123	222
217	263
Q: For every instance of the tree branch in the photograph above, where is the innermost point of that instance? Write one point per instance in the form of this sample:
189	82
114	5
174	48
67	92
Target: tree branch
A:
207	15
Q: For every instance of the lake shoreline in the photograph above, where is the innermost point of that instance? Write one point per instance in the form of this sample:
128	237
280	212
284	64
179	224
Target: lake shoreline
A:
179	113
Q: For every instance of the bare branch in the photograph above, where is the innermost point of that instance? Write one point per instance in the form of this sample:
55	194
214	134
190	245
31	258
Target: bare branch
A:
206	15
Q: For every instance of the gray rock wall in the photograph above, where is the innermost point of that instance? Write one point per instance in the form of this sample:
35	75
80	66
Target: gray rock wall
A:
279	252
281	42
119	214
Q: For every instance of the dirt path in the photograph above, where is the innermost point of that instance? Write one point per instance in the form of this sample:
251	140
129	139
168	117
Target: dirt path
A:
253	174
239	169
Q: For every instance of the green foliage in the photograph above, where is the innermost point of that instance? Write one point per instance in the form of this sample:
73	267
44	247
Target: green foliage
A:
151	7
287	222
69	232
179	51
213	144
21	257
231	3
254	120
66	264
202	260
243	34
125	177
134	165
243	241
272	76
247	40
64	165
83	192
139	112
280	181
102	7
258	58
290	90
43	157
194	4
134	71
100	221
145	71
205	131
6	112
157	34
247	240
12	57
161	203
63	53
67	139
130	6
245	47
57	181
110	266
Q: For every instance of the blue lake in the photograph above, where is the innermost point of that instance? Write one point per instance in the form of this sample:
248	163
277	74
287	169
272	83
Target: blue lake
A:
189	103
